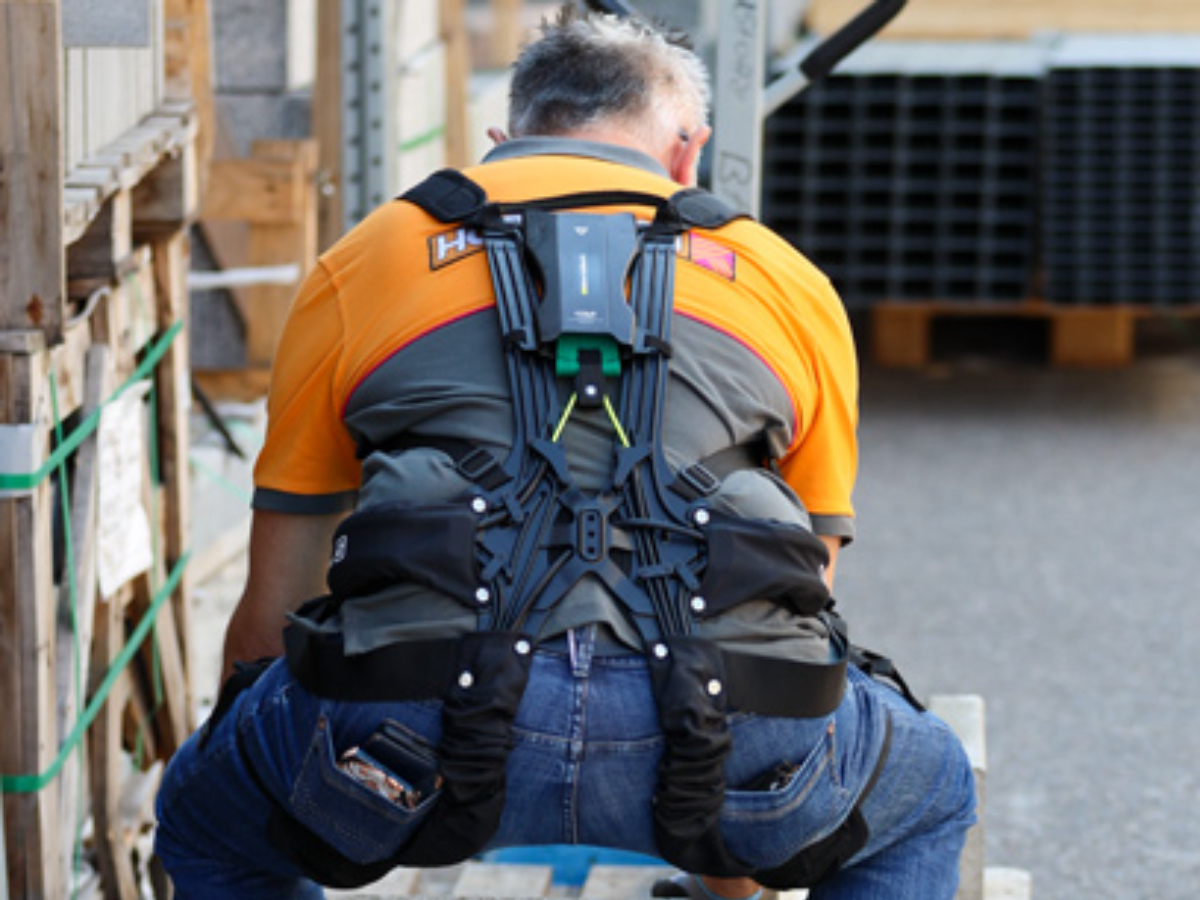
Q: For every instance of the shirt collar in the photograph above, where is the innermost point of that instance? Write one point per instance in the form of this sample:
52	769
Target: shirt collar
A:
562	146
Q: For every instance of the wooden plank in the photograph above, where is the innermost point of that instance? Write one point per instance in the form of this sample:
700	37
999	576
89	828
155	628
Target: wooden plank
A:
226	241
970	19
900	335
173	718
1080	336
327	122
168	197
189	72
125	319
508	32
107	761
258	191
28	633
22	342
496	880
68	363
1098	337
80	206
264	308
606	882
103	179
458	77
107	241
169	256
84	500
32	283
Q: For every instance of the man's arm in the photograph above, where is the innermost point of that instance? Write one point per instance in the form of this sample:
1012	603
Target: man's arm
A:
288	559
834	544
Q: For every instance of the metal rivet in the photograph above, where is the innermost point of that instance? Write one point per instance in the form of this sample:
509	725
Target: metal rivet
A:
479	505
522	648
660	650
714	687
698	604
465	680
483	595
701	517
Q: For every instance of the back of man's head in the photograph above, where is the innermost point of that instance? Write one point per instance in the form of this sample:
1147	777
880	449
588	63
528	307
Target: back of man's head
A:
591	71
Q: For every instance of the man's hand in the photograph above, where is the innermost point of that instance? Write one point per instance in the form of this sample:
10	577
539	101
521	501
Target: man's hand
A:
288	558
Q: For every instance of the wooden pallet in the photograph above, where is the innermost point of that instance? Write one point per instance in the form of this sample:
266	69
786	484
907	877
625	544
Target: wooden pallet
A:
115	292
901	334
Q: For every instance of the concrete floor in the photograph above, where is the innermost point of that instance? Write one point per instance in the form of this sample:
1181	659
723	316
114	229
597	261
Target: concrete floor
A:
1033	536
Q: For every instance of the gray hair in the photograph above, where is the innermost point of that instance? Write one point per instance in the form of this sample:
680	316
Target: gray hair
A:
589	68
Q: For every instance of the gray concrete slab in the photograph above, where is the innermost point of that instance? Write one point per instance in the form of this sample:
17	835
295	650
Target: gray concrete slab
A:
250	46
1034	536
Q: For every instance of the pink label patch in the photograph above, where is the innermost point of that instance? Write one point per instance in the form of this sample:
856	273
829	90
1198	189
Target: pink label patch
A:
707	254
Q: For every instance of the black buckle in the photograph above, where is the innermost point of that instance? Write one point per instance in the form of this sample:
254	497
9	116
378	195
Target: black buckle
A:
699	479
480	466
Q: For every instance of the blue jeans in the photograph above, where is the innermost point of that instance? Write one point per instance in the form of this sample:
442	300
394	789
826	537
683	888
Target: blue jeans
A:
582	771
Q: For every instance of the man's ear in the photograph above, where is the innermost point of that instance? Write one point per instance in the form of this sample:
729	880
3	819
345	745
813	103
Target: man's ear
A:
497	135
685	157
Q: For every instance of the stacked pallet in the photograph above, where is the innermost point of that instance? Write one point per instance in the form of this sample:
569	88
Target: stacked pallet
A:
1121	177
911	174
1051	179
93	464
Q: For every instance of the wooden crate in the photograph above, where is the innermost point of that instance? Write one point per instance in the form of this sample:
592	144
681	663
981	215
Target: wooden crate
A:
92	300
971	19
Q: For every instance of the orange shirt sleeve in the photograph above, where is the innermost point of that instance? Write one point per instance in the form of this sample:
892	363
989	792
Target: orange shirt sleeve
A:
822	464
308	462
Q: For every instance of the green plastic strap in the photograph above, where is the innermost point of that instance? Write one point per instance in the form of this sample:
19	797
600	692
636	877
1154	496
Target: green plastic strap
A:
27	784
23	481
233	490
420	140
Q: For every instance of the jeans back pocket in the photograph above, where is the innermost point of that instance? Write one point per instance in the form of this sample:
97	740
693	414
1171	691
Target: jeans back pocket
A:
766	822
355	803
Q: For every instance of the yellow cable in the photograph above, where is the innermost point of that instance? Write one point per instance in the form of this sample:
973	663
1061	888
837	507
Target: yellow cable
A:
612	415
562	423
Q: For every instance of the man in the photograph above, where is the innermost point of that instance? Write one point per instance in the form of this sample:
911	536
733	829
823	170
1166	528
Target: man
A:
393	395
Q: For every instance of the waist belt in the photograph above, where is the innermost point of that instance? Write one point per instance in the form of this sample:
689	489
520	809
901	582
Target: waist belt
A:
424	670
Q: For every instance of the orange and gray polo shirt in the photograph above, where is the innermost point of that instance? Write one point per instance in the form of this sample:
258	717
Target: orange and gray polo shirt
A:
395	332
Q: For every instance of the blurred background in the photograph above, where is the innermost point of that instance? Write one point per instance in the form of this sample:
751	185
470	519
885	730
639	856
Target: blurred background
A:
1006	196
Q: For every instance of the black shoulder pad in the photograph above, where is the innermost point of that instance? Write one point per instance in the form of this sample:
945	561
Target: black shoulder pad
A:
699	208
447	195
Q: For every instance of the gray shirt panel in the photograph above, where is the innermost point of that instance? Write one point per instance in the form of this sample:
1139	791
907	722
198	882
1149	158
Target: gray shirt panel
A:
451	383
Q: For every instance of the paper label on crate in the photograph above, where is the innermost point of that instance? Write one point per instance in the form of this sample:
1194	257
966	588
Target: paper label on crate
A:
124	546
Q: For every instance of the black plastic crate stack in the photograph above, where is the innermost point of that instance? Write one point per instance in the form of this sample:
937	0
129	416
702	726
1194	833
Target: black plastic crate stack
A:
912	174
1121	178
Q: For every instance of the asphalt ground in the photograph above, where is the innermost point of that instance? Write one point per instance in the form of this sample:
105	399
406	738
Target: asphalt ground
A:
1033	535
